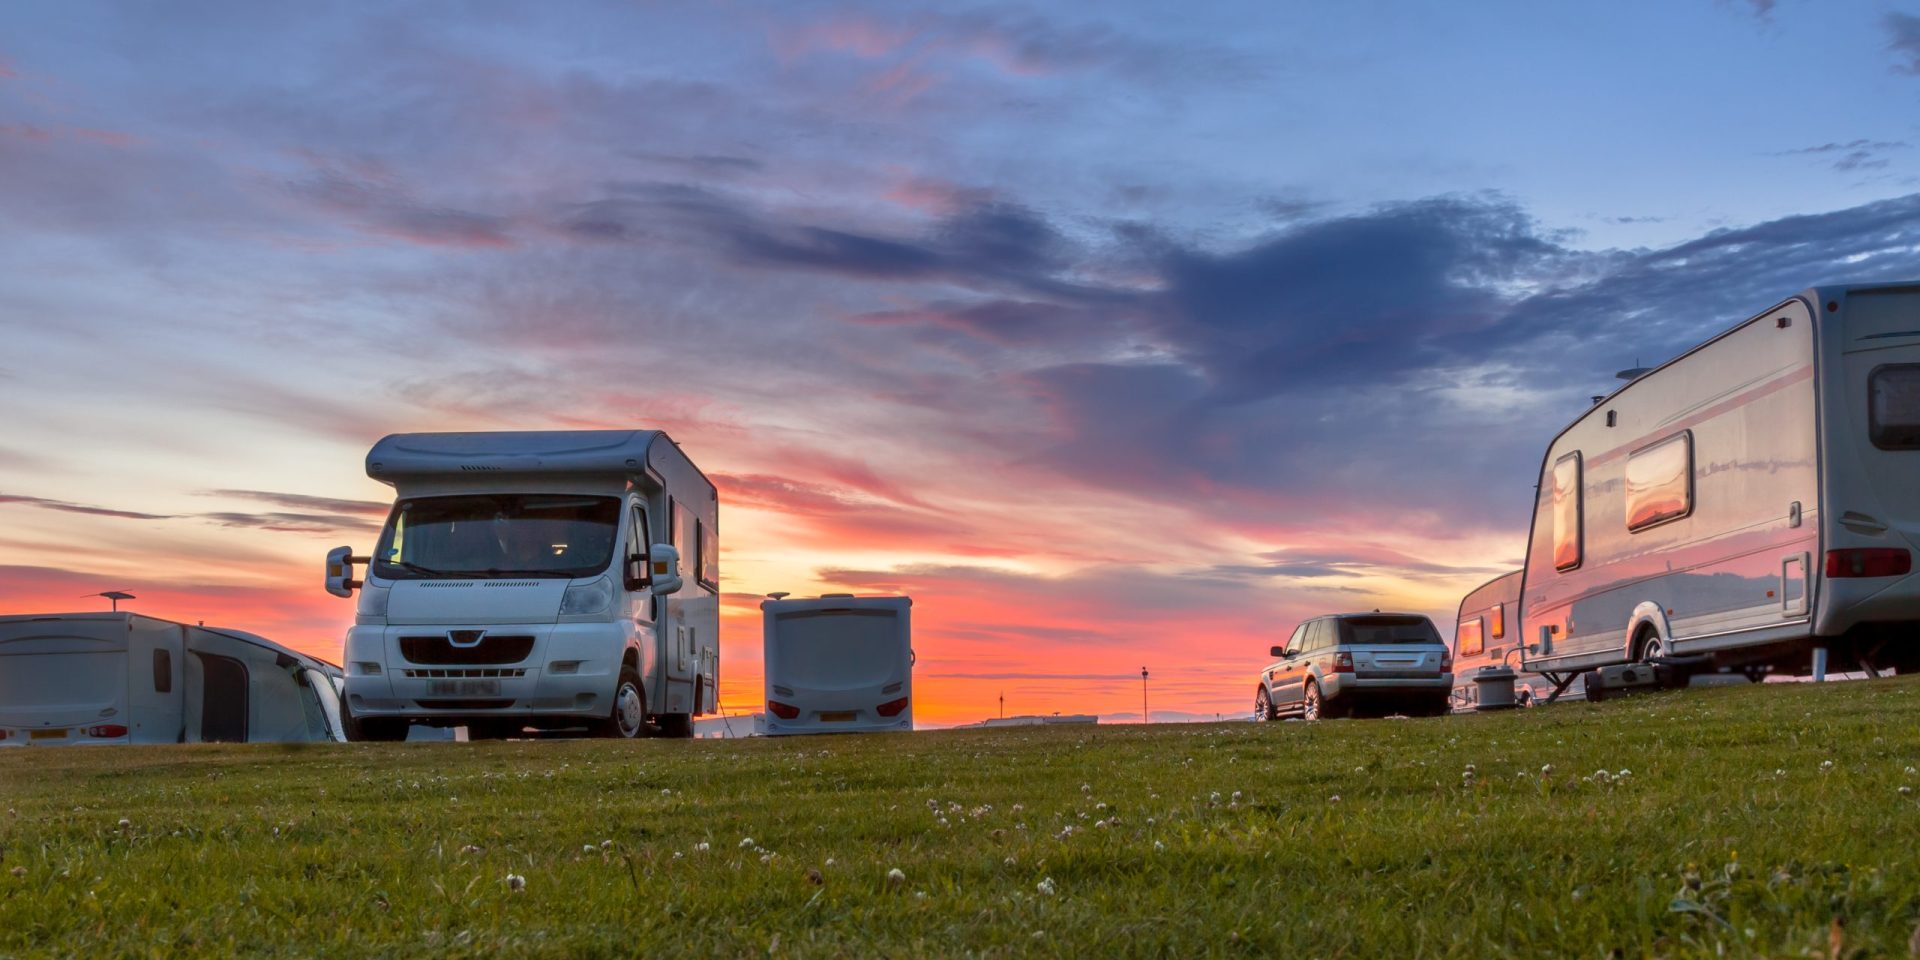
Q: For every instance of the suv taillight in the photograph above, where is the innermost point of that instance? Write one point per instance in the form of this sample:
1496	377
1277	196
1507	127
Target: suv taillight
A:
1343	663
1869	562
1446	661
892	708
781	710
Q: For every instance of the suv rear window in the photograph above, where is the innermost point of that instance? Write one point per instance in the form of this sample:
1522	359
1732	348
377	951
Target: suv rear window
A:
1388	630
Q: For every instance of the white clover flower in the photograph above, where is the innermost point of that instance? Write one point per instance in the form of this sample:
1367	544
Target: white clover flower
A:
1236	796
677	855
471	848
125	823
702	847
1102	824
1021	807
1100	806
1624	774
1086	788
1905	790
516	882
1213	797
1909	773
1009	861
1826	765
589	848
829	861
1334	799
895	877
746	842
1546	769
1157	845
666	791
1045	886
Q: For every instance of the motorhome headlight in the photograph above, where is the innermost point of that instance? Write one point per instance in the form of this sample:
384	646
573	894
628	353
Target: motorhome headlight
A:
373	601
586	599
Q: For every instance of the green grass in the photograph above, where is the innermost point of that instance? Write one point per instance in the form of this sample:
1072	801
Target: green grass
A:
1756	821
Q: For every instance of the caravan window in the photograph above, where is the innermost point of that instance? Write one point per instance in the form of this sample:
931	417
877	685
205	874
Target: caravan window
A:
1498	615
1893	406
1470	640
1660	482
1566	512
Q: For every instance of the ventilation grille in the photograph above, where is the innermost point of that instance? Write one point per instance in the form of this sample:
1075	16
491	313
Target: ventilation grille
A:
511	583
442	584
494	648
458	672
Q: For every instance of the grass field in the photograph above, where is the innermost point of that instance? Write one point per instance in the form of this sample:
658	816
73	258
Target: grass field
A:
1754	821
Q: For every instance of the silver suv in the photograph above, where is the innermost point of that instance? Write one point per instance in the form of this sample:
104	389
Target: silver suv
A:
1338	664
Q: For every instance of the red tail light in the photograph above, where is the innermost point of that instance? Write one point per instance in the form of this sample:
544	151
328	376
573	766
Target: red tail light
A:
106	730
781	710
3	734
1446	661
1343	663
1869	562
892	708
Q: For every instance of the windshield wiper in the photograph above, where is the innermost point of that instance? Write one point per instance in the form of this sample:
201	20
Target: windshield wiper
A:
412	567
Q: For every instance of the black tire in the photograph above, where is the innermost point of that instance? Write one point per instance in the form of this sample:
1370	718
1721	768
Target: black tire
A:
1312	706
1263	708
626	718
676	726
378	729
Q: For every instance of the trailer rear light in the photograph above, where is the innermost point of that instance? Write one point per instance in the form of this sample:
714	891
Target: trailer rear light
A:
3	734
892	708
106	730
783	711
1343	663
1869	562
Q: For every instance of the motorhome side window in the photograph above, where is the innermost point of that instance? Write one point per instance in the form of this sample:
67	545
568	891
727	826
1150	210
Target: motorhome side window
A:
1660	482
1471	639
1893	406
706	564
1566	512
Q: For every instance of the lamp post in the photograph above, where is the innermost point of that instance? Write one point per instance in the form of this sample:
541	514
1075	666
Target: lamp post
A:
1143	694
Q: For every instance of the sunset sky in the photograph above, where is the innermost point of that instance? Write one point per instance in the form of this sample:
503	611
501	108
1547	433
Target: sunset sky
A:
1114	334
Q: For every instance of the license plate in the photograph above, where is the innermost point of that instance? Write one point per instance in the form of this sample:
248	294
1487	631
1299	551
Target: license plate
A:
464	688
48	735
837	716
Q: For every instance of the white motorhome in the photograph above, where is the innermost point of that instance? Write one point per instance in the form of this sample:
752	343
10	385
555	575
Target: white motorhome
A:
100	678
534	580
1750	504
838	664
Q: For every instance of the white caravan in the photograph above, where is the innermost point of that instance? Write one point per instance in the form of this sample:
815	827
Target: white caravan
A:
98	678
534	579
838	664
1487	634
1750	504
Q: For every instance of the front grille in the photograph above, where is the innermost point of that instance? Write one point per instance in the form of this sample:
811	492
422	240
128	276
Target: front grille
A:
458	672
491	649
464	704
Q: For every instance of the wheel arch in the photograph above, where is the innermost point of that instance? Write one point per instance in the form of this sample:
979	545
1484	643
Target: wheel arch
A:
1647	616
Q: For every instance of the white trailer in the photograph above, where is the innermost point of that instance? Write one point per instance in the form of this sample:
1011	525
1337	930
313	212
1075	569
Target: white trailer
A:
101	678
838	664
535	580
1487	634
1750	504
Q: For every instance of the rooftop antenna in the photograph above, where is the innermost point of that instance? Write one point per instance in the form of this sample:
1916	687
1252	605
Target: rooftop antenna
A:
779	595
114	595
1634	372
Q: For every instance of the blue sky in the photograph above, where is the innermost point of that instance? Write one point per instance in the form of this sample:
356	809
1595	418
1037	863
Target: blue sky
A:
1017	307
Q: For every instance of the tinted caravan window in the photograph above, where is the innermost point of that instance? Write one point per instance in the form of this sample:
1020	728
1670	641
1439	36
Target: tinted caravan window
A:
1566	512
1893	406
1660	482
1471	638
1498	615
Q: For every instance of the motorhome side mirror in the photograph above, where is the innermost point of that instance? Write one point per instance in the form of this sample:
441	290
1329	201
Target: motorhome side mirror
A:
340	581
635	574
1277	652
665	574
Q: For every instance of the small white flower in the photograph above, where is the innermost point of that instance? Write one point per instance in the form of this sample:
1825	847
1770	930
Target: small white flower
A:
1157	845
666	791
606	844
919	894
1909	773
829	861
767	857
702	847
1546	769
589	848
1826	765
1624	774
895	877
1905	790
1020	807
470	848
1008	861
1334	799
678	855
125	823
1213	797
1779	772
516	882
1045	886
1469	768
1086	788
746	842
1149	821
1102	824
1097	806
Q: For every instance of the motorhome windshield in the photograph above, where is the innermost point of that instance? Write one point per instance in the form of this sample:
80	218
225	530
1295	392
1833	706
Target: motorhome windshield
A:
498	535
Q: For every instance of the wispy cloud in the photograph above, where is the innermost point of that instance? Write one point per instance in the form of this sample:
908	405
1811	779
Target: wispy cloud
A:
80	508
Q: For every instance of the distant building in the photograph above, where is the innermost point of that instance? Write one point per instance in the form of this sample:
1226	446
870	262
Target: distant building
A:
1032	721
